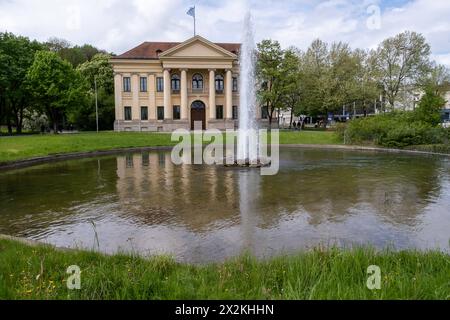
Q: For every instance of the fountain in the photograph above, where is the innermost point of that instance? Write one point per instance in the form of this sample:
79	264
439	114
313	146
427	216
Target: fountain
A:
248	139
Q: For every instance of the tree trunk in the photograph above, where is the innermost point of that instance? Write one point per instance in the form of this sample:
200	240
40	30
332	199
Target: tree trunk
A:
391	102
278	118
325	120
17	122
20	124
270	120
292	118
269	114
54	118
8	123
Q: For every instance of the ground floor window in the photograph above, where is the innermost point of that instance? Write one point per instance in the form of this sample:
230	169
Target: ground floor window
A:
219	112
235	112
176	113
264	112
446	115
144	113
160	113
127	113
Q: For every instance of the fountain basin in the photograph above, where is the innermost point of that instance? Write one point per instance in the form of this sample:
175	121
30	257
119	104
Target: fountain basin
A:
142	202
247	163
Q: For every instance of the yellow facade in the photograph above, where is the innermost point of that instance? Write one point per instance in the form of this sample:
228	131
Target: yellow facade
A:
197	80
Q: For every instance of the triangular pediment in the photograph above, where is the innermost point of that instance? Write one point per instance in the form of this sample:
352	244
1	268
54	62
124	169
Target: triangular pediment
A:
197	47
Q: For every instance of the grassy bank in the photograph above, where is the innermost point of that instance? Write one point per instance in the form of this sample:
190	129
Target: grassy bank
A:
24	147
28	272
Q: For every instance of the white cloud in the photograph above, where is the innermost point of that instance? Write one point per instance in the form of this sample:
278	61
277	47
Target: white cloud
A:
117	25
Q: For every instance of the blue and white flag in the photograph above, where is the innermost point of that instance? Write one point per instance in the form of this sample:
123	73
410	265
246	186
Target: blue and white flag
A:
191	12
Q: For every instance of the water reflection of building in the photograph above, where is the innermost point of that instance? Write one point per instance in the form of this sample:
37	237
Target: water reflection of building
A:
154	190
329	190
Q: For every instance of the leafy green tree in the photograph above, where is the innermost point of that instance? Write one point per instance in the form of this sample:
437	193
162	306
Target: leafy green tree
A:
100	70
270	76
366	88
430	107
315	70
76	55
16	56
438	79
56	86
401	61
3	85
292	86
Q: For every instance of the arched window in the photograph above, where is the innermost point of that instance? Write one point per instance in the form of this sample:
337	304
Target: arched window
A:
219	83
175	82
197	82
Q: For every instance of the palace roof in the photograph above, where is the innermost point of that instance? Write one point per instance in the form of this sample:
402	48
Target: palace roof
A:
152	50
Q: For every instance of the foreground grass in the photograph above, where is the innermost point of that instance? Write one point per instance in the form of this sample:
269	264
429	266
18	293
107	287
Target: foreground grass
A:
28	272
24	147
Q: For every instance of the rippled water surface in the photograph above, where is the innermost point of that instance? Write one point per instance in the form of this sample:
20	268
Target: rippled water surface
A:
142	202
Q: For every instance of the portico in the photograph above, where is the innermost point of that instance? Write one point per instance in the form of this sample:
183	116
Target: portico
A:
166	86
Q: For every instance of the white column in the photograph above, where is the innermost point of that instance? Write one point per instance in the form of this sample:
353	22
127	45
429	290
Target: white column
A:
229	95
212	94
118	85
151	97
167	95
184	95
136	114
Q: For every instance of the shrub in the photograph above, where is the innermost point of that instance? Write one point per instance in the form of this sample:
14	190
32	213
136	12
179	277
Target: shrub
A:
429	108
401	128
396	129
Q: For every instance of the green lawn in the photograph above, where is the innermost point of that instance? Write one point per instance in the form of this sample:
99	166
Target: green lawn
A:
23	147
310	137
28	272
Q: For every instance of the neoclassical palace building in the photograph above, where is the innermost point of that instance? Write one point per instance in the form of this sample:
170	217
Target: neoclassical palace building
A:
163	86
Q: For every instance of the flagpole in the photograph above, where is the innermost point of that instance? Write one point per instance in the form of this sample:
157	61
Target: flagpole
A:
195	33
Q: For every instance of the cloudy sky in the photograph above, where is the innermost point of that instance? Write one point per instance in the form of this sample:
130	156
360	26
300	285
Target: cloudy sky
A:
117	25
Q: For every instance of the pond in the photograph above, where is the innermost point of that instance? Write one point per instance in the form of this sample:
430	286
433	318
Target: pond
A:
143	203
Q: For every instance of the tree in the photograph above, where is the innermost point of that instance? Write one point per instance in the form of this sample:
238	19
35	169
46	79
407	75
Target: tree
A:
57	44
100	70
291	90
438	79
3	84
76	55
16	56
55	85
268	71
315	68
430	107
400	62
364	85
